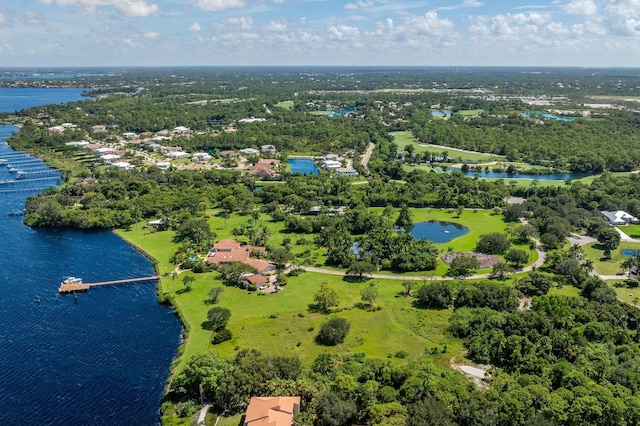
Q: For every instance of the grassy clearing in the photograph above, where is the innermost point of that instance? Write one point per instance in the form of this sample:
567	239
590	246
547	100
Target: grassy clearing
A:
595	252
285	105
629	295
470	112
406	138
282	322
566	291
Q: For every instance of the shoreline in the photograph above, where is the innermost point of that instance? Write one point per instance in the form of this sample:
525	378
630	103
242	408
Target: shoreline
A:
184	335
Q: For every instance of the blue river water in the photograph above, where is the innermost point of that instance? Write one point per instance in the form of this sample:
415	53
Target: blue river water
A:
16	99
100	359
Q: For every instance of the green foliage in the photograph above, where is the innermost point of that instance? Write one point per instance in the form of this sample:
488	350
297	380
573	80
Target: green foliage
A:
535	284
360	268
369	294
214	294
517	257
437	295
493	243
325	298
462	266
333	332
222	336
609	238
218	317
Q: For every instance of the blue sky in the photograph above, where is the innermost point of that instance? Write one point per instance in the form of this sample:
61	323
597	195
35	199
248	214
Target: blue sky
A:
601	33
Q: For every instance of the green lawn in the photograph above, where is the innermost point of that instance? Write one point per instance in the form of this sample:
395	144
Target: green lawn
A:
470	112
285	104
282	323
629	295
631	230
566	291
406	138
604	266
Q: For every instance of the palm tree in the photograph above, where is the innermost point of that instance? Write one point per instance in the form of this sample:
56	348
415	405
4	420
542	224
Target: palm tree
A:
626	264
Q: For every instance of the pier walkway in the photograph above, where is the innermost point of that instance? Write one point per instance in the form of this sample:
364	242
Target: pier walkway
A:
66	288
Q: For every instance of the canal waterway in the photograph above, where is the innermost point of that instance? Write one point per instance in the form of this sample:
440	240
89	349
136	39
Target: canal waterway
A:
100	359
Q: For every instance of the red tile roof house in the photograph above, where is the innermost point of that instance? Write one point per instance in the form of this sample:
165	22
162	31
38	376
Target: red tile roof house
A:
227	251
272	411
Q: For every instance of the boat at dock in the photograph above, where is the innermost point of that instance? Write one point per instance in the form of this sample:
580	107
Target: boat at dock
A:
72	285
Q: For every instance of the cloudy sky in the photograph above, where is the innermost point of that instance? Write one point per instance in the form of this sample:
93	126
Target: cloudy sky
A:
320	32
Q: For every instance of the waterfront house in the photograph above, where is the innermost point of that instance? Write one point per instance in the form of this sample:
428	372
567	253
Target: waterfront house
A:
228	251
345	171
272	411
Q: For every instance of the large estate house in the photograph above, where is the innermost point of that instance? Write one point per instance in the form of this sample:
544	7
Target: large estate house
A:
228	251
272	411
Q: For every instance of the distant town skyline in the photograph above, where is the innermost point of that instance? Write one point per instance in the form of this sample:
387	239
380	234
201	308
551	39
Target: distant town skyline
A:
592	33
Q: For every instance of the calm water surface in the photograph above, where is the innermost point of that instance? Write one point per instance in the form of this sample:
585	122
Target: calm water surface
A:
102	359
303	166
438	231
16	99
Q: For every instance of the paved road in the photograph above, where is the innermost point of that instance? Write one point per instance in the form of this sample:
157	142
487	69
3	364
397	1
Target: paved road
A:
367	155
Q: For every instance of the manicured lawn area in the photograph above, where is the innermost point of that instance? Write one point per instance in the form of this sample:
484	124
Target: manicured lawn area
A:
604	266
470	112
285	104
281	323
406	138
631	230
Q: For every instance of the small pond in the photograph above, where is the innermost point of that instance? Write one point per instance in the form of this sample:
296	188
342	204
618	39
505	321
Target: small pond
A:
629	252
437	231
303	166
439	113
340	112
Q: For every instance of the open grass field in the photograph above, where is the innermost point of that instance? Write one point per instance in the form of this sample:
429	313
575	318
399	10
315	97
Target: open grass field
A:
608	267
406	138
285	104
629	295
282	322
470	112
566	291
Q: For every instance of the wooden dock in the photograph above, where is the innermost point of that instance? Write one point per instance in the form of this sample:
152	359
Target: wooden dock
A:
66	288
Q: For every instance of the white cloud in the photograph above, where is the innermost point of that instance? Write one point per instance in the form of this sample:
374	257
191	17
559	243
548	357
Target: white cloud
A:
5	21
465	4
276	27
219	5
422	32
343	33
195	28
623	17
243	22
508	25
129	8
151	35
359	4
33	18
581	7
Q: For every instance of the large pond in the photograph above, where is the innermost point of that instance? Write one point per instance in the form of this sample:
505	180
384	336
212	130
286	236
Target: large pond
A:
531	176
437	231
546	116
303	166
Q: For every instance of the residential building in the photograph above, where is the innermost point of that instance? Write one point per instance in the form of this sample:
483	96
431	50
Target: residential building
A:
619	217
201	157
345	171
272	411
268	149
249	151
